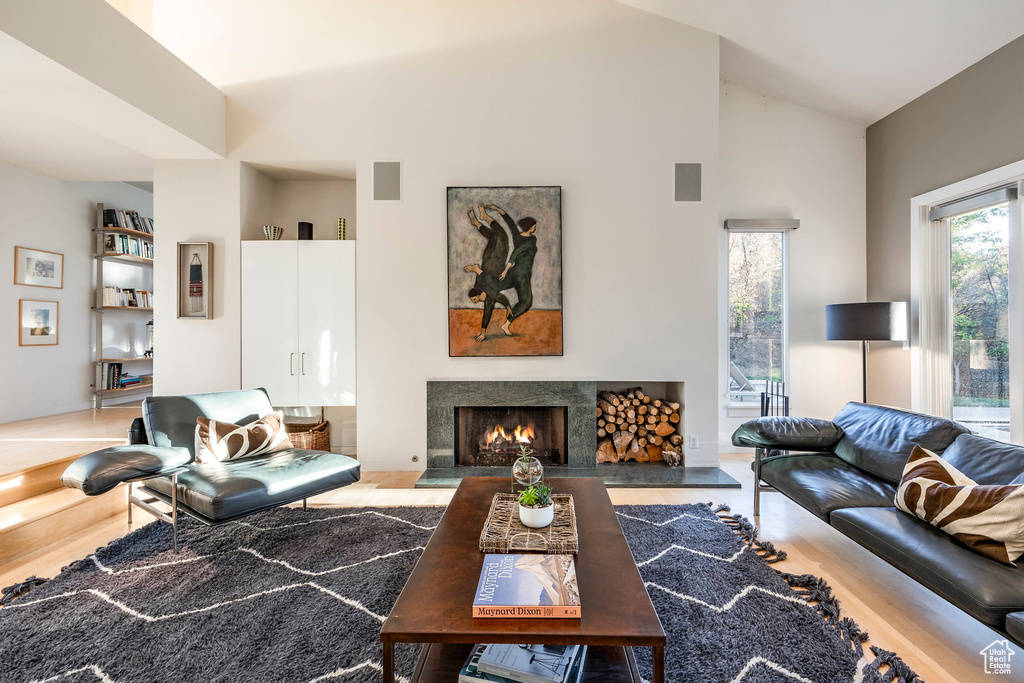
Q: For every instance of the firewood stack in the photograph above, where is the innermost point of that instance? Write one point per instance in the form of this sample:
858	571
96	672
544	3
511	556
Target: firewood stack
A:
634	426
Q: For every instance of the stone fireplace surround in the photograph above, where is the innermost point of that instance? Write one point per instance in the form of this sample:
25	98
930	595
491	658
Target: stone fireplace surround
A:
580	398
443	397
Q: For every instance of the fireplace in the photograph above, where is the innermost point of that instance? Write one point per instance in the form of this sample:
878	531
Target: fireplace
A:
494	435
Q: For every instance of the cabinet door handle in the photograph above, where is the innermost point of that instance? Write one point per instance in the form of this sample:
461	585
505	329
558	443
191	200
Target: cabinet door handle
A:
291	363
303	362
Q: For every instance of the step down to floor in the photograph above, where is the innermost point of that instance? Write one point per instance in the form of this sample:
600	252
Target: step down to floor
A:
52	517
34	481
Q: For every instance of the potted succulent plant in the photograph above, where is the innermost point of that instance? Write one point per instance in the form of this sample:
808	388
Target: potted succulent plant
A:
535	507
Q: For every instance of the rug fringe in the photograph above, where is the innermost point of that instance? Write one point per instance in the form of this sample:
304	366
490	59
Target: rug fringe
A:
11	593
815	590
898	671
741	526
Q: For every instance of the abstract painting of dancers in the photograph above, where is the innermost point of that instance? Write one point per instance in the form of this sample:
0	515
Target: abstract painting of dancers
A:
504	271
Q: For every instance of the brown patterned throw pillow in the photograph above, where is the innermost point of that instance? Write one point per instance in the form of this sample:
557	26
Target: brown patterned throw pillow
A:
988	519
218	441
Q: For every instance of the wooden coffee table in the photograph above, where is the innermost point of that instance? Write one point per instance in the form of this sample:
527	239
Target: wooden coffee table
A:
436	605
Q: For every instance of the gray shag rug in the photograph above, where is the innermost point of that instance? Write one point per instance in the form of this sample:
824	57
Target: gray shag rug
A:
297	596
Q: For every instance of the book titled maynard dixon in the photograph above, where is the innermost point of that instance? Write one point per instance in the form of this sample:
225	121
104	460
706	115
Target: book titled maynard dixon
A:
537	586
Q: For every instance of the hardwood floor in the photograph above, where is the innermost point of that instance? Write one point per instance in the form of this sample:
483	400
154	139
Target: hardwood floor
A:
29	443
936	639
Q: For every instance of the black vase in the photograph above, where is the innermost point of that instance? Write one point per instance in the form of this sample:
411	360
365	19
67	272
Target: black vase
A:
305	230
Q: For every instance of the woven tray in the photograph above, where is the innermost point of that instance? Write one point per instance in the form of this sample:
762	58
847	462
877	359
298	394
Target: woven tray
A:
504	533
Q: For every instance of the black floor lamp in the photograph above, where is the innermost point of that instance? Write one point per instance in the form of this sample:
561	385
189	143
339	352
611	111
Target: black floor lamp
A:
864	322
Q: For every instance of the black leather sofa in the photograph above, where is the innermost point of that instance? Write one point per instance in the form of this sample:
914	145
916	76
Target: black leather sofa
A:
846	471
161	454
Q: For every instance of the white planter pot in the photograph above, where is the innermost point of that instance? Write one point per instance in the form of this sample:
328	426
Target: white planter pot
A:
537	518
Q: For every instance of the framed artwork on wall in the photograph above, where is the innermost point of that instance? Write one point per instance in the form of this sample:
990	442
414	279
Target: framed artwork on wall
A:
195	280
38	268
505	271
37	322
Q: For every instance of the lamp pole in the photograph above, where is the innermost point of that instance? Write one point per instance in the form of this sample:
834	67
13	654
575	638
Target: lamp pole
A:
864	367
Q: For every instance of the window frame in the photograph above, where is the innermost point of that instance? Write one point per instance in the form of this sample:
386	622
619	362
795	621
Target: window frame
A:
784	228
931	309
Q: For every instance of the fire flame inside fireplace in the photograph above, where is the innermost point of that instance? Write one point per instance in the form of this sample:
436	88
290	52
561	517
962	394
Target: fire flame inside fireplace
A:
521	434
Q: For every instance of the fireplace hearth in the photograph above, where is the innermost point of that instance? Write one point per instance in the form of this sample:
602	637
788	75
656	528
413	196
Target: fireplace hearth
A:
488	436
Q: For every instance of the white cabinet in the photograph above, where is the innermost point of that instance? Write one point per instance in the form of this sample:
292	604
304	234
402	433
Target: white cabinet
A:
298	321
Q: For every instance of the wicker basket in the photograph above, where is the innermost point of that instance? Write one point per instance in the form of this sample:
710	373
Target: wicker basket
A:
311	437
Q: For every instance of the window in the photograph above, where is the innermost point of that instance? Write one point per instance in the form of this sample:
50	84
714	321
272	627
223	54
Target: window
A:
757	312
980	296
965	296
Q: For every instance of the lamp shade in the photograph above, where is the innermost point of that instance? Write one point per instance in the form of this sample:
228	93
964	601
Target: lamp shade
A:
869	321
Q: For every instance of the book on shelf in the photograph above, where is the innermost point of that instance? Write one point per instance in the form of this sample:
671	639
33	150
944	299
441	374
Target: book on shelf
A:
129	220
471	673
113	376
127	297
114	243
527	586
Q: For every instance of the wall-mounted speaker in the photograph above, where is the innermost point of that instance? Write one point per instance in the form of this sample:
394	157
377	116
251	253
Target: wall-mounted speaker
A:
687	183
387	181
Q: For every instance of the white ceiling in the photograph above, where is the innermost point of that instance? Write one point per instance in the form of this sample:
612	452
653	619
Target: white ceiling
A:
858	60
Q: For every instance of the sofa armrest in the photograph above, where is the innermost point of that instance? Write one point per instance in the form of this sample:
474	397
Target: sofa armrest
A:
100	471
788	434
1015	626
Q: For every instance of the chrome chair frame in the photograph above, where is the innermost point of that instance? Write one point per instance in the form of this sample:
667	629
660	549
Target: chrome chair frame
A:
171	517
774	403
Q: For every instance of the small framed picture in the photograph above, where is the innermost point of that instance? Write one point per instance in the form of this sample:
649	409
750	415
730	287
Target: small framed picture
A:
195	280
37	268
37	322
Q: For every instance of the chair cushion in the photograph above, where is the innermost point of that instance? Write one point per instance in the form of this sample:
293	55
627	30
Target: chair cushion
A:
226	441
221	491
171	420
987	519
985	589
1015	626
985	460
879	440
100	471
823	483
788	434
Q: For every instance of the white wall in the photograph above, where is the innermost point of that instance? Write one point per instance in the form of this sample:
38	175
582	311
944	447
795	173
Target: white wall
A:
47	214
779	160
602	107
197	201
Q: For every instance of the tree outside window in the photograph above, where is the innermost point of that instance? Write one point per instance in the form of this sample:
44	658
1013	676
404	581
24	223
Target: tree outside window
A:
756	312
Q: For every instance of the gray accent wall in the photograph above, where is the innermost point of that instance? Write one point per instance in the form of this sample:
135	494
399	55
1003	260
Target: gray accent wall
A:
970	124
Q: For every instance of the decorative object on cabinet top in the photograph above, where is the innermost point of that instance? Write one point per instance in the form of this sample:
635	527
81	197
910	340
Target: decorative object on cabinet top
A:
273	232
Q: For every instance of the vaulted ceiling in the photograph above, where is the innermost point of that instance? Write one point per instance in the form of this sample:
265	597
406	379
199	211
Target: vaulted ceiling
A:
859	60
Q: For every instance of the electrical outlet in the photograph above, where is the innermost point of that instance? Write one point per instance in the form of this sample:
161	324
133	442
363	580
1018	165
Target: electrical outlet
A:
694	441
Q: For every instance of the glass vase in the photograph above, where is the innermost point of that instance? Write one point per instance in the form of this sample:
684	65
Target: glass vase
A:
527	470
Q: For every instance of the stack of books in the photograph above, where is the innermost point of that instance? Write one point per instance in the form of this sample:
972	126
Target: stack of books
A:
129	381
123	244
117	378
118	218
127	296
524	664
530	586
